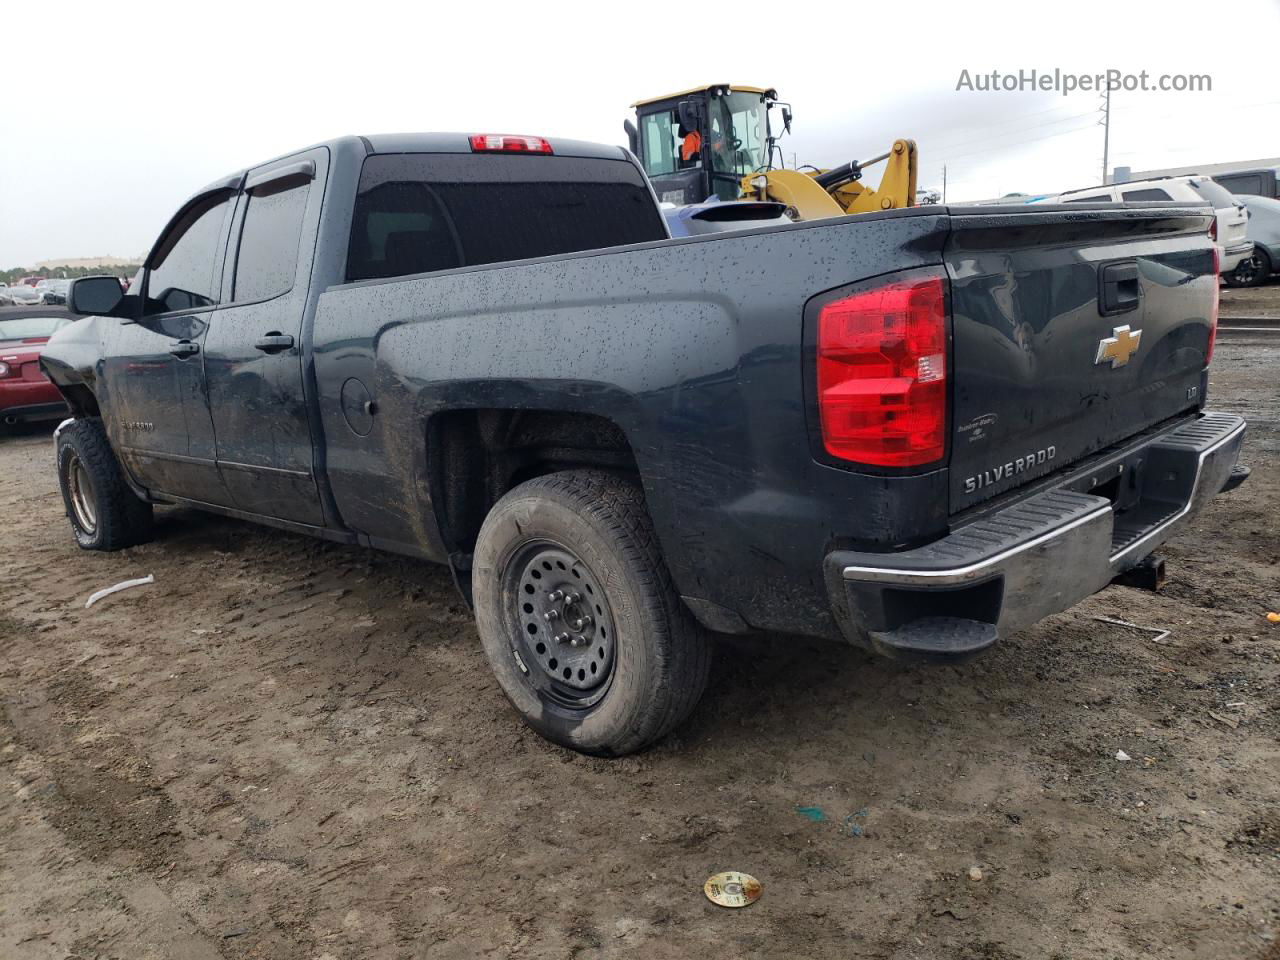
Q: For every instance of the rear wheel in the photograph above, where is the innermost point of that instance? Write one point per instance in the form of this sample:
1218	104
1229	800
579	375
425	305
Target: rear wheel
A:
104	513
1252	271
578	616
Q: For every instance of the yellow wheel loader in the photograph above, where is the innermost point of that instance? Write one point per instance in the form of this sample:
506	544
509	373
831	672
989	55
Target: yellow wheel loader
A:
717	141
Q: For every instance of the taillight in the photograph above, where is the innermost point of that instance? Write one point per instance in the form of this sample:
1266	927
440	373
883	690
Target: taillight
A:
1213	229
1213	310
508	143
882	373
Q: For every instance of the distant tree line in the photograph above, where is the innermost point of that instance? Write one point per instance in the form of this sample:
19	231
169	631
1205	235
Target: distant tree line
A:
68	273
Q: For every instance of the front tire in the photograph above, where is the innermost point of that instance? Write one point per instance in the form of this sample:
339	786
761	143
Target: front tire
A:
579	618
104	513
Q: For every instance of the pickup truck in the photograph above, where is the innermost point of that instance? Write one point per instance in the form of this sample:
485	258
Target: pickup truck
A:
916	430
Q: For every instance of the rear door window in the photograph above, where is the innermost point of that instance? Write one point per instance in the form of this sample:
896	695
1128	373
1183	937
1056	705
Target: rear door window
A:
1090	198
268	257
418	213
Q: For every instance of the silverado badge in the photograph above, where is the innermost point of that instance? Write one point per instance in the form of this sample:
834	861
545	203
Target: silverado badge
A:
1119	347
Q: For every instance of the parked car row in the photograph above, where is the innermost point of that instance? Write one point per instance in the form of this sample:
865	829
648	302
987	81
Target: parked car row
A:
26	394
32	290
1264	230
1231	217
22	294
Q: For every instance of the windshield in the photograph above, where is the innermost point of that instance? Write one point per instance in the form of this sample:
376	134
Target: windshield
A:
28	328
739	127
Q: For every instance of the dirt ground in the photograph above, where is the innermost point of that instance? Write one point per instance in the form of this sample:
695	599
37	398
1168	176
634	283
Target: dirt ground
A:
1246	302
289	749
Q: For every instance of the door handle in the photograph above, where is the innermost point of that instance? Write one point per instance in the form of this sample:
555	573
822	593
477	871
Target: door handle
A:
274	342
184	348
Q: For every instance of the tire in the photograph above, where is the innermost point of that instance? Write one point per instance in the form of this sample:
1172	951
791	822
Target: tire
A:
1253	272
104	513
1264	268
644	660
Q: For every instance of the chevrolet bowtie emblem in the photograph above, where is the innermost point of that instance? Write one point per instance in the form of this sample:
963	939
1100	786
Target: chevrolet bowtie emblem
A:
1119	347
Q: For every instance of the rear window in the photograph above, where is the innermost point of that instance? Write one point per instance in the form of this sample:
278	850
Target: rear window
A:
27	328
421	212
1217	195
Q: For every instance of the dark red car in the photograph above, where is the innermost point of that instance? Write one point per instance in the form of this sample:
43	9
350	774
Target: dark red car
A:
25	392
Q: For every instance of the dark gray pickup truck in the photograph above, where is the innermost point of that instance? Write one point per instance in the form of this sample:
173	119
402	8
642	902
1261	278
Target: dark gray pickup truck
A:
915	431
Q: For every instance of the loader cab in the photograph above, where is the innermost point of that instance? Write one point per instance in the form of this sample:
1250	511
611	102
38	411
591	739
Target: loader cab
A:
700	143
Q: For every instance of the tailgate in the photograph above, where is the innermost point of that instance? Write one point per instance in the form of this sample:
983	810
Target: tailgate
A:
1073	329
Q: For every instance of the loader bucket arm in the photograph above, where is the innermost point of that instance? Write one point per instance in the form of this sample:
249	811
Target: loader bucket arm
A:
897	187
804	198
838	192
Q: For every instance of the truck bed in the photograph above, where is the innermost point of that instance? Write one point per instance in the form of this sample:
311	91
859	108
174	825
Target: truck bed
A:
697	350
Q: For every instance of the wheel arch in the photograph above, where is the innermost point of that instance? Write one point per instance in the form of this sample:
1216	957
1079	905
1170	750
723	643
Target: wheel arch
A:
476	455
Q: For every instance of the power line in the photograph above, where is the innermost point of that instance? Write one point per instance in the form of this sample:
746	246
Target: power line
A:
1062	133
1018	131
942	145
1216	107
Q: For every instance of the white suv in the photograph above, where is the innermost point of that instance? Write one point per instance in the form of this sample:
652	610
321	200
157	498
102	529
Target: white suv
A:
1230	223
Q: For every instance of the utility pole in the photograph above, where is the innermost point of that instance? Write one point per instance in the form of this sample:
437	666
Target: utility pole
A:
1106	133
944	183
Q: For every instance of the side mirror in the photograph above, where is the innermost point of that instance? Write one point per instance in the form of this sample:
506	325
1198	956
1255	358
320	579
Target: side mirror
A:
633	136
689	112
786	119
98	296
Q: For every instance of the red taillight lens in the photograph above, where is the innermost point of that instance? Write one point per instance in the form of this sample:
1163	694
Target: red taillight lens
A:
1213	229
1213	310
882	373
508	143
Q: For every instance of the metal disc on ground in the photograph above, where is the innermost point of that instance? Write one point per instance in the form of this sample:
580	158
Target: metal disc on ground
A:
732	889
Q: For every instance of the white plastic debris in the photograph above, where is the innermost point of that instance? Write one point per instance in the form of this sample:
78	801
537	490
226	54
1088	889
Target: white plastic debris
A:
1122	756
124	585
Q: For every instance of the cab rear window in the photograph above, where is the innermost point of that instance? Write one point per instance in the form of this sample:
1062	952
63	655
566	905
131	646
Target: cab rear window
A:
422	212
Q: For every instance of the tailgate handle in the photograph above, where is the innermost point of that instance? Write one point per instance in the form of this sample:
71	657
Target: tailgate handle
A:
1118	290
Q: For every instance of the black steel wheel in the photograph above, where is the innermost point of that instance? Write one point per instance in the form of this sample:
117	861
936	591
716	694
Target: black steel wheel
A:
584	630
566	627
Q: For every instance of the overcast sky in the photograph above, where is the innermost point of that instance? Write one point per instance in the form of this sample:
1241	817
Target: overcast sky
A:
115	112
